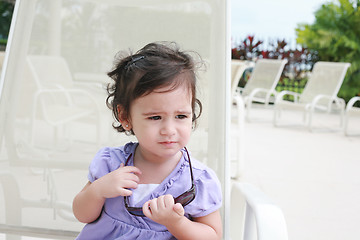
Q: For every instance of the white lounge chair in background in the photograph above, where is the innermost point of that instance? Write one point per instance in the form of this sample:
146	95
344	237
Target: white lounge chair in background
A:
262	82
262	219
57	101
238	68
351	112
319	94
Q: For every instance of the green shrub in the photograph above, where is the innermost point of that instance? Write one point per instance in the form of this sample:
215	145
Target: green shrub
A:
335	37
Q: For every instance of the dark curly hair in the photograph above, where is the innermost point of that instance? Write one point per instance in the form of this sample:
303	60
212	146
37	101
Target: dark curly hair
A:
154	66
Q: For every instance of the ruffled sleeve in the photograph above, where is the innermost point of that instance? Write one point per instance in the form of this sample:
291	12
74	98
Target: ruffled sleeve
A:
106	160
208	196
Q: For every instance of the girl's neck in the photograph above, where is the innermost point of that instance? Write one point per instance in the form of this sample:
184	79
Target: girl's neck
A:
153	170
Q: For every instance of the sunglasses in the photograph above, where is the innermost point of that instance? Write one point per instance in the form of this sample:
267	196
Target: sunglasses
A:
184	199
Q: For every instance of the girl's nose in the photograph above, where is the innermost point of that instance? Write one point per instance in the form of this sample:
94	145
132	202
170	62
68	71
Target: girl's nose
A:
168	128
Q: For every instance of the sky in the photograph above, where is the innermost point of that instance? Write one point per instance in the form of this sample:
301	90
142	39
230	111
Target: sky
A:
271	19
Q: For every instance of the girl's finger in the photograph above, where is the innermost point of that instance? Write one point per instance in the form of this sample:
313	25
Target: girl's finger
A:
130	184
134	177
168	200
146	209
179	209
131	169
125	192
161	202
153	205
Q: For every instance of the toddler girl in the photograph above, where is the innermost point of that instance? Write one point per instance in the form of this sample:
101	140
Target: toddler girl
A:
151	189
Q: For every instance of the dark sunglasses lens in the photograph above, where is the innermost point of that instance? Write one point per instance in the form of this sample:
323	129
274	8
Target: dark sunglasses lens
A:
185	199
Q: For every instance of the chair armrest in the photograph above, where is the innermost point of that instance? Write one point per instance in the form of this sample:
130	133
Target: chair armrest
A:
66	93
282	94
269	219
258	90
91	78
268	93
42	92
338	101
351	103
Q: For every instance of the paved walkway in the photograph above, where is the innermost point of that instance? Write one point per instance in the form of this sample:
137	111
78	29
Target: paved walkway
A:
313	176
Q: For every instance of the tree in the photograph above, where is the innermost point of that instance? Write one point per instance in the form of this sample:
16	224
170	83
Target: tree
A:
335	37
6	10
248	49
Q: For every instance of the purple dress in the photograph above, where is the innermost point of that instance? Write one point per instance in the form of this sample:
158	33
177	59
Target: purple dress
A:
116	223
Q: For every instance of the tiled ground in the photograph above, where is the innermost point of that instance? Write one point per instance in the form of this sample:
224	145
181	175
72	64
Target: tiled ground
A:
313	176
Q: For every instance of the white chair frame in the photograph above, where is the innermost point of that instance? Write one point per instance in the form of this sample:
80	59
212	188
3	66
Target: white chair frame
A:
351	111
262	219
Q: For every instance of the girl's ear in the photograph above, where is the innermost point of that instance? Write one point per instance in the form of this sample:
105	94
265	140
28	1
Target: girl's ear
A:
125	123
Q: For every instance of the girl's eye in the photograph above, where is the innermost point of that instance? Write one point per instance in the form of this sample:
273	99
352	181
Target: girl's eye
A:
181	116
155	118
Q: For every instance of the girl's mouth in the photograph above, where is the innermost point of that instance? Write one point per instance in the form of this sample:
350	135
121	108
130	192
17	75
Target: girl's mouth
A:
167	143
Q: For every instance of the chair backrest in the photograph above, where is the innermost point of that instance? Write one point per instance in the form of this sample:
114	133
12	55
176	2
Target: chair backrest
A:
50	70
266	75
93	50
326	79
235	65
237	69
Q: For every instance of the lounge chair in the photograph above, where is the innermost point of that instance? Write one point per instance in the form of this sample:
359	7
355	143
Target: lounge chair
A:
319	94
238	68
261	85
57	100
351	112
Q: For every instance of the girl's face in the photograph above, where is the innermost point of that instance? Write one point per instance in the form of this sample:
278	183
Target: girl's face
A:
162	122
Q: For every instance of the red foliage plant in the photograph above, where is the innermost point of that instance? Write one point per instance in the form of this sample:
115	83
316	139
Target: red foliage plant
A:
300	60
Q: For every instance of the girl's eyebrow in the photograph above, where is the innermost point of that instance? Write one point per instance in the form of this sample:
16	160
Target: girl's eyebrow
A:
183	112
151	113
160	113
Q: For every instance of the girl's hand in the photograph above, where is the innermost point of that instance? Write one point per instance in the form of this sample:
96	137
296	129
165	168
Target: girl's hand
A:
115	183
163	210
